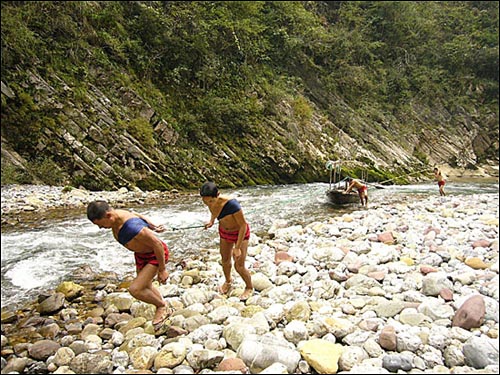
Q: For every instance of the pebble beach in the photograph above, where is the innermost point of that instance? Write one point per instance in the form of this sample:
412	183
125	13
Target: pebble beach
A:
400	288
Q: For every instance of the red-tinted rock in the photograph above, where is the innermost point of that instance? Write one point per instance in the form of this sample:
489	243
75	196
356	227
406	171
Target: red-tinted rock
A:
387	338
481	243
446	294
427	269
282	256
232	364
470	314
386	238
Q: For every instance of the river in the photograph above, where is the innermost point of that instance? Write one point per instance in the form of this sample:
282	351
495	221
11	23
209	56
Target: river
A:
39	258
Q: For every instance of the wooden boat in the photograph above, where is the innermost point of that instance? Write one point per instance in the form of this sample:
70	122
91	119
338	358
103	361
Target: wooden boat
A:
340	197
336	192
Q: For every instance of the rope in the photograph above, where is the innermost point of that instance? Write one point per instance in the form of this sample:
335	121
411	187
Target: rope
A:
333	168
407	174
173	229
254	210
190	227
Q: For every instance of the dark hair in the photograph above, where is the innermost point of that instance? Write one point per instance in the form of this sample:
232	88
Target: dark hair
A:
97	209
209	189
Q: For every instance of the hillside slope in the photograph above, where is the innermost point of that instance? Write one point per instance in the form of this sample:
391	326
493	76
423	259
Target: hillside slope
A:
164	95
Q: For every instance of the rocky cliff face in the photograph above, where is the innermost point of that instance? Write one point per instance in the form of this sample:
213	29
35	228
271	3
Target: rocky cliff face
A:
91	144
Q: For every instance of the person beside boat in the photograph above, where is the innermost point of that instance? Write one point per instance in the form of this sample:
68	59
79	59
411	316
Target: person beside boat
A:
234	234
439	177
362	189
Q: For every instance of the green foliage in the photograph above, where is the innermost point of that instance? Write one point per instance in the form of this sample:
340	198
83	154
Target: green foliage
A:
152	183
21	120
19	42
142	130
421	156
231	116
302	109
375	51
47	171
92	183
43	168
224	69
14	175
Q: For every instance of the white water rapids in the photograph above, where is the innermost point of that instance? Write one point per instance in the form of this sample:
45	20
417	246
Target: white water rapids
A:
38	259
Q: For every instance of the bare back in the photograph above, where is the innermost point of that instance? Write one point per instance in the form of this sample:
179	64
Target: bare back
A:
143	242
356	184
438	176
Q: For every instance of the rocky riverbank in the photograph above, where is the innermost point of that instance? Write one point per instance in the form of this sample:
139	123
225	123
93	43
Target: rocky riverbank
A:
25	204
406	288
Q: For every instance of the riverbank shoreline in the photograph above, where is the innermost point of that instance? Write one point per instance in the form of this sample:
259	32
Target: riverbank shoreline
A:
25	205
382	288
486	172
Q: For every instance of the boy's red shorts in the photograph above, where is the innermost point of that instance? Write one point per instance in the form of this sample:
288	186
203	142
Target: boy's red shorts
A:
233	236
141	259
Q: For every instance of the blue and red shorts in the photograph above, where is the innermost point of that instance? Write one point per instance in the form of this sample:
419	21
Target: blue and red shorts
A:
141	259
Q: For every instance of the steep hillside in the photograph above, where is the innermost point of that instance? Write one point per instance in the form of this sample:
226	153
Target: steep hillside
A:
165	95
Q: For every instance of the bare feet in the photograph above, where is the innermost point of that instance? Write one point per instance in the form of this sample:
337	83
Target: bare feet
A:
225	288
247	293
161	315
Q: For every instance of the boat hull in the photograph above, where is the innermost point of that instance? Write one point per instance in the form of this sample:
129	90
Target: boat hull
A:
341	197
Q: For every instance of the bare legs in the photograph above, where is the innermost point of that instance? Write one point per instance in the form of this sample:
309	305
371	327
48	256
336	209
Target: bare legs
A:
226	249
142	288
363	197
225	252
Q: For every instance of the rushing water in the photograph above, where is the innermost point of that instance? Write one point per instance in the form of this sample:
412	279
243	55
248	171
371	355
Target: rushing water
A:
38	259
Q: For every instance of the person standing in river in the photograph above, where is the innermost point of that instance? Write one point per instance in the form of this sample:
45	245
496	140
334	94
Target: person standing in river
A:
234	233
362	190
438	176
135	232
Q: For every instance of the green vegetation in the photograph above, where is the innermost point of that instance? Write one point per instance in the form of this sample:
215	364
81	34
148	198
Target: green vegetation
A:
141	129
227	71
13	175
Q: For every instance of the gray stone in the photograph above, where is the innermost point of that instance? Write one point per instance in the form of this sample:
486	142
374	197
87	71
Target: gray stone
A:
51	304
480	352
43	349
260	352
